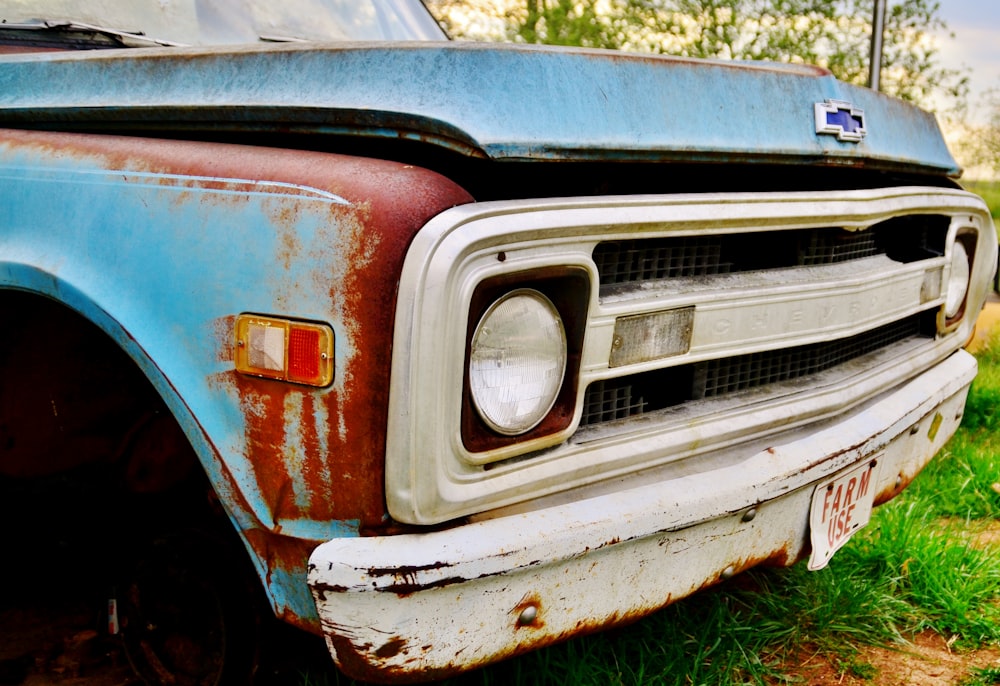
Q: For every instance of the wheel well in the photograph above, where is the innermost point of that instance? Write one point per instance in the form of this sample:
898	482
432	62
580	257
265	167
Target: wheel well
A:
95	476
87	446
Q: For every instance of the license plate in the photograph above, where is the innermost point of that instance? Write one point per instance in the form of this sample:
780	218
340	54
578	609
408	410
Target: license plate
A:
841	506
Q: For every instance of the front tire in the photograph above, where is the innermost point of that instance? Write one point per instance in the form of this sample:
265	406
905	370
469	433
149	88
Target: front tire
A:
188	617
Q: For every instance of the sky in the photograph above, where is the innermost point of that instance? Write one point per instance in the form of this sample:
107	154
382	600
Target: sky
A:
976	43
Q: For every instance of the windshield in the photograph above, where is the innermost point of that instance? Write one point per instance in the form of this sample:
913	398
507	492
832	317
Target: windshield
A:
215	22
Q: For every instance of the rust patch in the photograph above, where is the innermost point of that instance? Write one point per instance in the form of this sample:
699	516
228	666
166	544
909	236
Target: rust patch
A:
531	604
391	648
323	589
350	661
316	455
888	493
290	245
409	194
406	571
341	460
20	49
291	555
354	660
855	449
407	589
222	332
262	405
784	557
405	578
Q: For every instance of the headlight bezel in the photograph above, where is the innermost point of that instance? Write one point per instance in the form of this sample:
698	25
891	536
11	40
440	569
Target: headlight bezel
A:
568	291
967	238
547	352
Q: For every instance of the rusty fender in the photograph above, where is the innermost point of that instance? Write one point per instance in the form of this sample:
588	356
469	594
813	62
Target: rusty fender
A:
423	606
161	244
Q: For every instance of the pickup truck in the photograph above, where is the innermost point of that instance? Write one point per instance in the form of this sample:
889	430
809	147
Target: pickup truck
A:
450	351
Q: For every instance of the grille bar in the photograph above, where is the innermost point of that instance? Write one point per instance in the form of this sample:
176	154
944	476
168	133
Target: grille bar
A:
634	395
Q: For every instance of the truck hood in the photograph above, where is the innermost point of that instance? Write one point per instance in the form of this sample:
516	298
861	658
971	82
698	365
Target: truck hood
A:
502	102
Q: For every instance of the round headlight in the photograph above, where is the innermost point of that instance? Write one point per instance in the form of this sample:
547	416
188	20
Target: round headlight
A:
958	282
517	361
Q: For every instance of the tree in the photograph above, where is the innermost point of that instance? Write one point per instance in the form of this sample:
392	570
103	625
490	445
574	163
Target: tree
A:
830	33
978	139
592	24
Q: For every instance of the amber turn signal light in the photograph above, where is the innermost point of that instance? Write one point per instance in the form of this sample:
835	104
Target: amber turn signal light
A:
284	349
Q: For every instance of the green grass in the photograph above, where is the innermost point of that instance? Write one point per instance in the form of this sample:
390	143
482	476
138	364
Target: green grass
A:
915	567
983	677
990	192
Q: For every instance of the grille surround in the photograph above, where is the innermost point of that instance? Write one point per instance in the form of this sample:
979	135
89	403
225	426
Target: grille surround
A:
431	477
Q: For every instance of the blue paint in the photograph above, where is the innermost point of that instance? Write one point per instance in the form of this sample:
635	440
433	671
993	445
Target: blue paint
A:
500	101
147	248
203	248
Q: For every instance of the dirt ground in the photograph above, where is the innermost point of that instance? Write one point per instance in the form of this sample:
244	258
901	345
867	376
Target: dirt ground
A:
55	647
59	644
927	660
64	643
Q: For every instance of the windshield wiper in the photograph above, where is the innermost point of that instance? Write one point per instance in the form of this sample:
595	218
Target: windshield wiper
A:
61	32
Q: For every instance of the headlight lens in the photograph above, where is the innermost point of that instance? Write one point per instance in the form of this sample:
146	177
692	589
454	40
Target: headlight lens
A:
517	361
958	282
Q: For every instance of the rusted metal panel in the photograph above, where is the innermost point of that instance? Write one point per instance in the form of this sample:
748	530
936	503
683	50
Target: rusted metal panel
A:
162	243
424	606
498	101
22	49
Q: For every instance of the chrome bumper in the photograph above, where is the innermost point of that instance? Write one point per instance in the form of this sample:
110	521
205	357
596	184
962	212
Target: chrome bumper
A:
423	606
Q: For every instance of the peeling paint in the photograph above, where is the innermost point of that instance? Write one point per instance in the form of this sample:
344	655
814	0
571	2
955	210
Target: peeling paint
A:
213	231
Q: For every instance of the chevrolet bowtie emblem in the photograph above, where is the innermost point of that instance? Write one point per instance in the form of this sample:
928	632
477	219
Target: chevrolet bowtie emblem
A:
840	119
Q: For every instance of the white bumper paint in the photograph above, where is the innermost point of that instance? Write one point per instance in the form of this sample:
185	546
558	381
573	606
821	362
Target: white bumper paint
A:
421	606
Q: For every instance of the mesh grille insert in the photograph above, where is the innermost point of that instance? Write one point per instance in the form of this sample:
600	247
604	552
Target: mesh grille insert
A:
637	394
611	401
828	247
628	261
905	239
718	377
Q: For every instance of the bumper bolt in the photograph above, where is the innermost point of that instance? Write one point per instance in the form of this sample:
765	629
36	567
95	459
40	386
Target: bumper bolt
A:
749	515
528	616
728	573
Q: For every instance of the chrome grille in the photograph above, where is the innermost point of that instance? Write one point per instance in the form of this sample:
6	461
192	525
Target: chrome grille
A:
631	396
718	377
